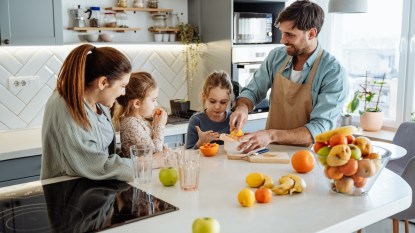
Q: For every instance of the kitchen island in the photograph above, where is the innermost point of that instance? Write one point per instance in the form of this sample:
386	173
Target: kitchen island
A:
317	209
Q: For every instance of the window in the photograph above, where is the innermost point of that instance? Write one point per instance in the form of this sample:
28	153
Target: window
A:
375	44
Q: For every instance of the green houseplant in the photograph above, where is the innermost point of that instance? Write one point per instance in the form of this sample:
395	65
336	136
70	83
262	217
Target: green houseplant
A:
189	36
346	117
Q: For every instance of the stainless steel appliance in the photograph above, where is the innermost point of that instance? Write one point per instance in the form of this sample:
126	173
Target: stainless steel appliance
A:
78	15
252	28
78	205
245	61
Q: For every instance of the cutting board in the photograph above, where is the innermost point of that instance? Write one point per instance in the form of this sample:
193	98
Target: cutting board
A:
267	157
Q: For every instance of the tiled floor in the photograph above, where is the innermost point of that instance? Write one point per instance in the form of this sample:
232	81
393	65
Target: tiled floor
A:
385	226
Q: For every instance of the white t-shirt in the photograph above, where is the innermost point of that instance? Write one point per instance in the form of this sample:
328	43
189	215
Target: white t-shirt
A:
295	76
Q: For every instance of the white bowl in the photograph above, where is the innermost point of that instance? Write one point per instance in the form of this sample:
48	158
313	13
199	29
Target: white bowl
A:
91	37
106	37
232	147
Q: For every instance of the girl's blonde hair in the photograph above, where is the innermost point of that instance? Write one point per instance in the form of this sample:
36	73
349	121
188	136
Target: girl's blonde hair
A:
137	88
219	79
81	67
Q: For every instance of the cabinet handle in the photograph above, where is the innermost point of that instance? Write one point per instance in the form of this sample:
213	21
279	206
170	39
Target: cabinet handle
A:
6	41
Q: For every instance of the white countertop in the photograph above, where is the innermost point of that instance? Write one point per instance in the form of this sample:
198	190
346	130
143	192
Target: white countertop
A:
315	210
27	142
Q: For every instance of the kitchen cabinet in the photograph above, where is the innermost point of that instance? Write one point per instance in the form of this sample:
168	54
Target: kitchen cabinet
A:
255	125
20	170
31	22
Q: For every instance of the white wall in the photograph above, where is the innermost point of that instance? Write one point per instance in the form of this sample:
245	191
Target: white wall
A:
25	108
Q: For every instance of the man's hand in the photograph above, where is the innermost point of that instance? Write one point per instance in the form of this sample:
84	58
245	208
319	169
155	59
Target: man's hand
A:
252	141
240	116
205	137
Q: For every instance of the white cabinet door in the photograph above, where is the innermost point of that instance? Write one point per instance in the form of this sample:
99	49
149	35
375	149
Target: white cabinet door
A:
31	22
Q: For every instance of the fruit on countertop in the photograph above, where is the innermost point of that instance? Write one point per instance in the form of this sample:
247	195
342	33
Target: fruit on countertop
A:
302	161
168	176
205	225
289	184
209	149
349	163
263	195
246	197
255	179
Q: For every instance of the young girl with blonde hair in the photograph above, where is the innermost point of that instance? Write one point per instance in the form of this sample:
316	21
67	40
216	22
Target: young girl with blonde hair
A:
138	103
216	97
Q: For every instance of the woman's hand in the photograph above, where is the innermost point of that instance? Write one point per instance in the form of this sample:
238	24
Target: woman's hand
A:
205	137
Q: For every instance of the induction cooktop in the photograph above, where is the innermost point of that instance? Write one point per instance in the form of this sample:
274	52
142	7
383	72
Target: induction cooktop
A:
78	205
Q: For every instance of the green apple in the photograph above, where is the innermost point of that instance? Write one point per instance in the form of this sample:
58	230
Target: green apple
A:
168	176
322	154
356	152
206	225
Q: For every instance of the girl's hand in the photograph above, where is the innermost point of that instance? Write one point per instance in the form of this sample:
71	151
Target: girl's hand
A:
205	137
160	117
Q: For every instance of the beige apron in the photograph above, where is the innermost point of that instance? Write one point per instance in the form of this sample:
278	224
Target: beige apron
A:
291	103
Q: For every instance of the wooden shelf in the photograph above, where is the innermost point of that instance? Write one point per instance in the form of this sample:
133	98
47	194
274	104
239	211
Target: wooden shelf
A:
138	9
85	29
175	30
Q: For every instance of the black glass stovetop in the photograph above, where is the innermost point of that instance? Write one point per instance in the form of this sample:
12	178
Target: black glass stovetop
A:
78	205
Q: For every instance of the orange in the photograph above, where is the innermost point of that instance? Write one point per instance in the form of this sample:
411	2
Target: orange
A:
209	149
237	133
263	195
302	161
337	139
158	111
350	139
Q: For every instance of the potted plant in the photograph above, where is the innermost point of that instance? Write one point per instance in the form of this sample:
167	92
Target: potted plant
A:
346	118
189	36
371	118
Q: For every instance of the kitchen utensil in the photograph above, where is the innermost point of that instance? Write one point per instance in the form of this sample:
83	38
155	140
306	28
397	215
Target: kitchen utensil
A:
78	15
106	37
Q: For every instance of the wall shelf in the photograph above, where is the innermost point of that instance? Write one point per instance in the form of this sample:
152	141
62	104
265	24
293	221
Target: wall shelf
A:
152	29
138	9
85	29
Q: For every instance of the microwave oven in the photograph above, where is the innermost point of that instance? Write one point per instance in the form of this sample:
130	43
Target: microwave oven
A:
252	28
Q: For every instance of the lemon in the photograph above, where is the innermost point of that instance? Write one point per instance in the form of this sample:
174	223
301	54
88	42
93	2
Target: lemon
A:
237	133
255	179
246	197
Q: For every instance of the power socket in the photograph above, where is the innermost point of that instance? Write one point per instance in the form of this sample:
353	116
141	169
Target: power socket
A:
18	83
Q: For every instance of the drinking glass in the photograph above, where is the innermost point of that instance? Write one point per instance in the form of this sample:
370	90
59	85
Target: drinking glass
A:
189	170
142	158
172	152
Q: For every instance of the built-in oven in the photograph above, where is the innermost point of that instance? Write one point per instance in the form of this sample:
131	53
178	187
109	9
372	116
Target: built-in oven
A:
246	60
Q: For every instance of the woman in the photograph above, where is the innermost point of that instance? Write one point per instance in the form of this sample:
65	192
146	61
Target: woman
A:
77	134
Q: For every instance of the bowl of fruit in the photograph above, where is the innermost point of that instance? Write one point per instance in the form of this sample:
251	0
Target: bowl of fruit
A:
350	164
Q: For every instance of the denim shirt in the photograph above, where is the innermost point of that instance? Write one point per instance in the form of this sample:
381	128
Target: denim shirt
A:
329	87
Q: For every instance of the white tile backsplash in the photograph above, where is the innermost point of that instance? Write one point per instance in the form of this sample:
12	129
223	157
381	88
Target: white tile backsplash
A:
25	108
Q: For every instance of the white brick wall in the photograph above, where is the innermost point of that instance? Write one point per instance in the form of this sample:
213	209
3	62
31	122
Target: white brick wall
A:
25	108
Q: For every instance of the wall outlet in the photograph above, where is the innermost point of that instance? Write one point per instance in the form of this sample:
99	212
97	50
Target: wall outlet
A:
18	83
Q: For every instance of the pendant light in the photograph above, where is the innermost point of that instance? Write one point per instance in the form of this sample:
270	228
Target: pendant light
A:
347	6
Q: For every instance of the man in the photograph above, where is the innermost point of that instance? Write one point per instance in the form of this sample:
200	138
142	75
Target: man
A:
308	85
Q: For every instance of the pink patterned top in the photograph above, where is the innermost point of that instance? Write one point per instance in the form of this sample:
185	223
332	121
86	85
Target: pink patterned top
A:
136	131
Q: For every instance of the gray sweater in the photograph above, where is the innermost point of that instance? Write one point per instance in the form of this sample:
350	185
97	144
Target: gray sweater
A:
67	149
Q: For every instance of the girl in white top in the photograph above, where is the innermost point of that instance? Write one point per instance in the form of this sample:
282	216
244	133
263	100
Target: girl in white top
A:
138	103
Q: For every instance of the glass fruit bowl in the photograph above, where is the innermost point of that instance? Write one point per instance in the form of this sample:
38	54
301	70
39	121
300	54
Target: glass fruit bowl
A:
347	171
